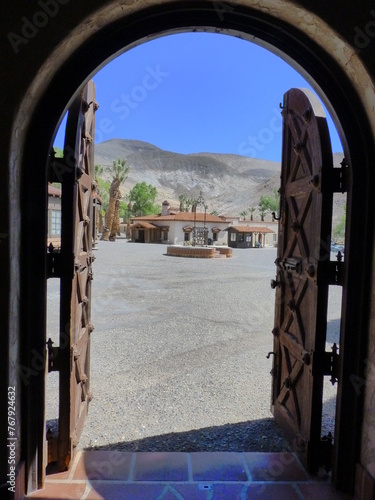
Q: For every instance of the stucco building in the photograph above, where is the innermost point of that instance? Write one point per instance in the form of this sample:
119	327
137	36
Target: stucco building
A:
250	236
177	228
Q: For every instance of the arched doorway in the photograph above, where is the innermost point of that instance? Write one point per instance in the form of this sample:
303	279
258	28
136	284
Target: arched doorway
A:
268	28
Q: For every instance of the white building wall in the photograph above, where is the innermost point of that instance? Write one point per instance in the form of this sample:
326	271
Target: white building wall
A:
176	233
174	229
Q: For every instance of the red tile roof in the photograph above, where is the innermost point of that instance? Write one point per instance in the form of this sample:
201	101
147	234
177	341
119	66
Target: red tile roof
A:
143	225
54	191
251	229
180	216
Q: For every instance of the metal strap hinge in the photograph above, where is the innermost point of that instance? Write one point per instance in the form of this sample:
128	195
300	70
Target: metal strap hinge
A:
53	357
54	264
336	273
331	363
340	178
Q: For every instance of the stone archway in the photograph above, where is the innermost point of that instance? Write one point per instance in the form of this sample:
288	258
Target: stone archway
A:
89	39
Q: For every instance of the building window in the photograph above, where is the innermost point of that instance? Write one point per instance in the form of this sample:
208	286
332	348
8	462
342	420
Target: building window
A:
214	236
165	235
233	237
241	237
248	238
274	237
55	223
186	236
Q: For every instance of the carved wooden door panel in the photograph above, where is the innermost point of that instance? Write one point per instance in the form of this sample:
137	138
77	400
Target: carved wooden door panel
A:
302	280
76	273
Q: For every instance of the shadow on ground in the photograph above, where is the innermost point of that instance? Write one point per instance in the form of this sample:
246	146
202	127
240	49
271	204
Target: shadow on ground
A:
255	435
333	331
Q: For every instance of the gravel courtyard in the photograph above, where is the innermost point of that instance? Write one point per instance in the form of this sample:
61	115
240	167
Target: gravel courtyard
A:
178	354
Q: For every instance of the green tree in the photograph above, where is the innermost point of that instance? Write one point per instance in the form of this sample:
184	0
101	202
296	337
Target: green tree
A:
98	172
124	210
186	203
119	171
183	203
142	198
269	204
59	153
338	232
243	214
193	202
104	187
99	223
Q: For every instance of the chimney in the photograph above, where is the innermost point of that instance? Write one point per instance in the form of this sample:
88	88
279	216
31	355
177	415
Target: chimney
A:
165	208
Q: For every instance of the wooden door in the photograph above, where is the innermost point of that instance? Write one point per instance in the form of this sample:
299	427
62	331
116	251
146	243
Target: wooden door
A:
76	274
302	279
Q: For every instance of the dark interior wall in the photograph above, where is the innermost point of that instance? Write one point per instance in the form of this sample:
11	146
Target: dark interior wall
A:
48	47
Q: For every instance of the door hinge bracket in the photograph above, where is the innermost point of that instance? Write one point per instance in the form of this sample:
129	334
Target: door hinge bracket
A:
53	263
331	362
53	357
336	272
340	178
325	452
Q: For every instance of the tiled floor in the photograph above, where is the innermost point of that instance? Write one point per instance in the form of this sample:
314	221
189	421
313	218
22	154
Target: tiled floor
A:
192	476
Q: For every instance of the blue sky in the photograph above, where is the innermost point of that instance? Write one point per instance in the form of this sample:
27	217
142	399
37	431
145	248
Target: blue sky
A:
197	92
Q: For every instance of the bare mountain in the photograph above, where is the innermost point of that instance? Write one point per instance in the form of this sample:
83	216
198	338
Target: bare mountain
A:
230	183
225	180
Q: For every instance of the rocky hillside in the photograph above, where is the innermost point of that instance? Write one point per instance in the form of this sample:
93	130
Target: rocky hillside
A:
230	183
339	199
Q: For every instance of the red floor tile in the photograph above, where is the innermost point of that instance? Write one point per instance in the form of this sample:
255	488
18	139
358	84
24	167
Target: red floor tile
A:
271	492
194	491
102	475
320	491
53	475
228	491
275	467
126	491
161	467
102	465
218	466
60	491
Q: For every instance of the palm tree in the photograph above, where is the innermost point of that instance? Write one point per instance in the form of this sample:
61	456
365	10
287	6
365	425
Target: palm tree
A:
263	207
243	214
183	201
116	219
119	171
252	210
98	170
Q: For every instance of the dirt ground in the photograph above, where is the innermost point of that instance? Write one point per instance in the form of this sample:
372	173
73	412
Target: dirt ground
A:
178	354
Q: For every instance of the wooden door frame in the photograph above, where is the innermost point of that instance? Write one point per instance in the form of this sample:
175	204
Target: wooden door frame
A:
350	110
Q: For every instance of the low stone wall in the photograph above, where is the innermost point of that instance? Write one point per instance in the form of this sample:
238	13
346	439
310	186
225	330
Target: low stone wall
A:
228	252
199	252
